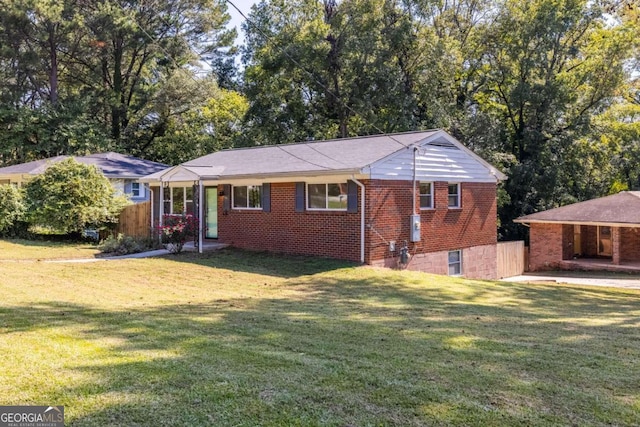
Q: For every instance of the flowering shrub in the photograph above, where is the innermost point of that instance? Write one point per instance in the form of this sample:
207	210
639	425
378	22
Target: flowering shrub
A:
176	229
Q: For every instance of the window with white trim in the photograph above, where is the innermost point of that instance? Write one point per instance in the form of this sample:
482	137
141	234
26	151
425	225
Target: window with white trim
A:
178	200
455	263
454	195
426	195
327	196
137	190
247	197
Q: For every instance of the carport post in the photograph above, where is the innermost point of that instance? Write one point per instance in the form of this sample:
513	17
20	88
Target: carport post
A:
615	245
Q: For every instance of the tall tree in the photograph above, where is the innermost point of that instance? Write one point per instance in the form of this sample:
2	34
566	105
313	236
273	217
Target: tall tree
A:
551	65
79	69
329	70
188	117
137	43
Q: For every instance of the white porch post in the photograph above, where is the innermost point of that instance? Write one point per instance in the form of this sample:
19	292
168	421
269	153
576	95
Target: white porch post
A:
161	203
200	215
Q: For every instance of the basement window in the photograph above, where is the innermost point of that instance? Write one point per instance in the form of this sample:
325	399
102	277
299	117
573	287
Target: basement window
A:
455	263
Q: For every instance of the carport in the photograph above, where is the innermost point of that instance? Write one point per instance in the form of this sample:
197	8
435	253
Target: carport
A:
598	234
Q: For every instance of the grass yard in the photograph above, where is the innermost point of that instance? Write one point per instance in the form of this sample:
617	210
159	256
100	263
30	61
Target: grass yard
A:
243	339
21	250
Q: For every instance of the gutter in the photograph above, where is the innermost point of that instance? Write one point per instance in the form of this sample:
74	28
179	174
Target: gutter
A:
151	198
362	216
526	222
266	175
415	152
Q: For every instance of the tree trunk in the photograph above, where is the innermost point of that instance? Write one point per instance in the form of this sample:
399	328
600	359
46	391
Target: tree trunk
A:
53	59
117	108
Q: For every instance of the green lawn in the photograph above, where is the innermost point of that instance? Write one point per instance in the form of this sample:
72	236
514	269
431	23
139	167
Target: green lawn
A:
21	250
243	339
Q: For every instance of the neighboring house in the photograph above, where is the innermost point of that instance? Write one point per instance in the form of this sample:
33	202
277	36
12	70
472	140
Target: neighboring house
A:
601	234
124	172
359	199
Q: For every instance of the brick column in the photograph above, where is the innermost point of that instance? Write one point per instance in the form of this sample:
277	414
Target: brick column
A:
545	241
615	245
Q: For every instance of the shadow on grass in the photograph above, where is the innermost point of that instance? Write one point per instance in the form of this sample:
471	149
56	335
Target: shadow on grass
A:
266	263
371	350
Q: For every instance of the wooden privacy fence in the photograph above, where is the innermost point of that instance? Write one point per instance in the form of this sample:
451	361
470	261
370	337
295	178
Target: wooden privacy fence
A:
135	220
511	259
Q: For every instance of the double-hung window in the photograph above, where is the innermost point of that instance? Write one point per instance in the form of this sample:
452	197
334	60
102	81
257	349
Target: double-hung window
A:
137	190
455	263
454	195
247	197
426	195
178	200
327	196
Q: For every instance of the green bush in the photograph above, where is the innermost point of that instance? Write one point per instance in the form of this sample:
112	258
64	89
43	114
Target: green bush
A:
70	197
12	207
124	245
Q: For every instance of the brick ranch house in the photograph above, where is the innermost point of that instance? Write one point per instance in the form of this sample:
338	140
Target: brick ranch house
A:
598	234
360	199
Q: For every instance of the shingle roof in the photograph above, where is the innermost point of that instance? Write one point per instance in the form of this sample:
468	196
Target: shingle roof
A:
347	154
113	165
621	208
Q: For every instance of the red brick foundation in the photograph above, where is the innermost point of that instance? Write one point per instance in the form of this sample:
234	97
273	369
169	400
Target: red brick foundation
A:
478	262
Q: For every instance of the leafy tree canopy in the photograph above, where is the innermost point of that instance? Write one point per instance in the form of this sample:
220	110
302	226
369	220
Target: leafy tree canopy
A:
12	206
70	197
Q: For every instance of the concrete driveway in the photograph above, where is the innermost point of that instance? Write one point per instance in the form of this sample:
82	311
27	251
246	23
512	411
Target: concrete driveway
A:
612	280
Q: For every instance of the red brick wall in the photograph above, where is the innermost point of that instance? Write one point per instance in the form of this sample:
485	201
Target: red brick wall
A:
328	234
630	244
388	206
443	229
545	243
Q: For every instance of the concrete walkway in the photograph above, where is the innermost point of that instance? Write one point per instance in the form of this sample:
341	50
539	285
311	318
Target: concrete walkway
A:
612	281
188	247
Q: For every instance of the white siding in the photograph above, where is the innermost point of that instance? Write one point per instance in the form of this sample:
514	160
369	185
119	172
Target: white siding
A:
434	162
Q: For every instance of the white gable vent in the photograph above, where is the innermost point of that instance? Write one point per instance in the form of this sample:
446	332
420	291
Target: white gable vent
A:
443	144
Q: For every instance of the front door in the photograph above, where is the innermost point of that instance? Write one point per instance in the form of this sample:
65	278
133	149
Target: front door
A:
211	218
577	240
604	241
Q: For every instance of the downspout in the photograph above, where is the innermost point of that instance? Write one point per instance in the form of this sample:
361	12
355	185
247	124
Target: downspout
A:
200	215
161	210
413	211
151	197
362	216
